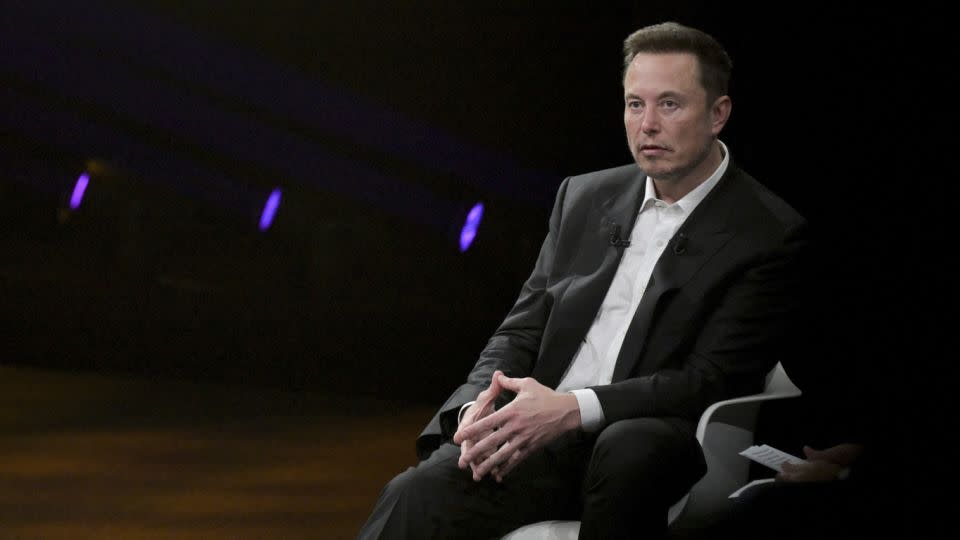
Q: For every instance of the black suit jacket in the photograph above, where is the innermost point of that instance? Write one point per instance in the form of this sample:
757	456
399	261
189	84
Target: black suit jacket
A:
715	318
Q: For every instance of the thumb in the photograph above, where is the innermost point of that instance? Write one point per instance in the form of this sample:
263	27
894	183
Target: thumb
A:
495	386
514	385
812	453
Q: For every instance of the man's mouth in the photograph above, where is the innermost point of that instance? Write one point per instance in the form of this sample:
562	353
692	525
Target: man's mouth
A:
652	150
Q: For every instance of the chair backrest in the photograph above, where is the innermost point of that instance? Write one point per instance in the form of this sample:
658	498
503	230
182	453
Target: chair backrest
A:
778	383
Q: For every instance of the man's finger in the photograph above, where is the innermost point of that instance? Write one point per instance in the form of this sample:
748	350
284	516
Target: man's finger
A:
469	430
464	448
493	390
481	408
483	425
497	458
514	385
474	465
515	459
486	445
484	448
467	445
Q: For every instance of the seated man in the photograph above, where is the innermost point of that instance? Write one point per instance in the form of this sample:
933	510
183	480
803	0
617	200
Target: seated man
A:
662	286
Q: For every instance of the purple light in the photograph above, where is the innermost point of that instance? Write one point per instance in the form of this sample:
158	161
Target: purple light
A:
469	230
269	209
78	189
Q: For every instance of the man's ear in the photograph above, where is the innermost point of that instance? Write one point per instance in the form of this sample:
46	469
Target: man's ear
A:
720	113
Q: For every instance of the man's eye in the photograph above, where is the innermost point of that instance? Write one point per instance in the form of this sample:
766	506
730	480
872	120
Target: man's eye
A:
633	104
670	104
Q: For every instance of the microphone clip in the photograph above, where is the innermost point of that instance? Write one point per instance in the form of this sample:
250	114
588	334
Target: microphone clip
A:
680	244
615	239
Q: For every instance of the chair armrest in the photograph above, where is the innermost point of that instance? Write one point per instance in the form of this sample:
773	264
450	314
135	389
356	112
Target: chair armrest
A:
724	430
713	412
776	386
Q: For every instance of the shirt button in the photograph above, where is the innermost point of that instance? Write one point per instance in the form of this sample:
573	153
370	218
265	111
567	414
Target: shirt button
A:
659	243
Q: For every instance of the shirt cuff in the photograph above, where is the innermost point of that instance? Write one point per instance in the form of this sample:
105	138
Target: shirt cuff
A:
591	413
463	408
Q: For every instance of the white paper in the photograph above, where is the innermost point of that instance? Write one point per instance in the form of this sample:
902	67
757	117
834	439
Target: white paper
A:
769	456
737	493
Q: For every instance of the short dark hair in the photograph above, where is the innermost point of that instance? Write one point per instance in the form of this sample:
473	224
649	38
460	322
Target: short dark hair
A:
671	37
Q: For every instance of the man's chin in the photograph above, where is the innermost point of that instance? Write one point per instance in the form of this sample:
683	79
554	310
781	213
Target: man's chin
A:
656	170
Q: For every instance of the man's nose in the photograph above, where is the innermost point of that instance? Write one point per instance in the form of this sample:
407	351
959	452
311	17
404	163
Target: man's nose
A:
650	122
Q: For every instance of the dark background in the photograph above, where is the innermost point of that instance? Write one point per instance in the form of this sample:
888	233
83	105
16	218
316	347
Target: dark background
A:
383	125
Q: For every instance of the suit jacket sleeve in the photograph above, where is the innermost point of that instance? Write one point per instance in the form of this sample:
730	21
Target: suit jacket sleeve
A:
513	348
739	340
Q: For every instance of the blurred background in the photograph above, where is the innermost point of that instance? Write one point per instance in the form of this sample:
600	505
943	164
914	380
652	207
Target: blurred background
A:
345	197
143	141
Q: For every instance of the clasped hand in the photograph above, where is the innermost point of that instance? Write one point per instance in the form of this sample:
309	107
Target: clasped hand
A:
495	442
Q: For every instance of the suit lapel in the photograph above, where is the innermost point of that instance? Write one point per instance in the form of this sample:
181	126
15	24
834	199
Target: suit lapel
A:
706	231
583	297
616	213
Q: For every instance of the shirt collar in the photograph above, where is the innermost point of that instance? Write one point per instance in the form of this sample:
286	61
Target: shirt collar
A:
697	194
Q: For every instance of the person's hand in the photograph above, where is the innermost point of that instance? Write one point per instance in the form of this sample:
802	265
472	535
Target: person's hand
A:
809	471
502	440
480	409
821	465
842	454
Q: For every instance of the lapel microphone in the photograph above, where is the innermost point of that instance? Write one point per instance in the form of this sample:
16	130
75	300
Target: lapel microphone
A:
680	245
615	239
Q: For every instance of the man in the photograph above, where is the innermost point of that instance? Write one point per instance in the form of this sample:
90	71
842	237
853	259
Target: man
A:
662	286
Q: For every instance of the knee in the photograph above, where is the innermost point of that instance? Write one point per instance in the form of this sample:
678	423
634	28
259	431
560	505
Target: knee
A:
400	484
408	484
629	445
643	450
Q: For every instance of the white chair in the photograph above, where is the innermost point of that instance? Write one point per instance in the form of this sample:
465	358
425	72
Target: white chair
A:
725	429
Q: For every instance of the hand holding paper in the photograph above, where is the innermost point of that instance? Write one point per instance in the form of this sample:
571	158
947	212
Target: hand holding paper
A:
771	457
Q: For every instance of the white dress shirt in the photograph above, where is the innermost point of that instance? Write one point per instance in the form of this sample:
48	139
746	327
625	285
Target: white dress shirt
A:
656	223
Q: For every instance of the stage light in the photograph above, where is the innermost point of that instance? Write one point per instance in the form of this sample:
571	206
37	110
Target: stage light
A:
270	209
78	190
469	231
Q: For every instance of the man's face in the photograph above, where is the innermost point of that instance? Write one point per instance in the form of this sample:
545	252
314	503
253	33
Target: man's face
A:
670	128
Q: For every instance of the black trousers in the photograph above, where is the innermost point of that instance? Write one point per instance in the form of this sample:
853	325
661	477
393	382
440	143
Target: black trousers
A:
618	483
